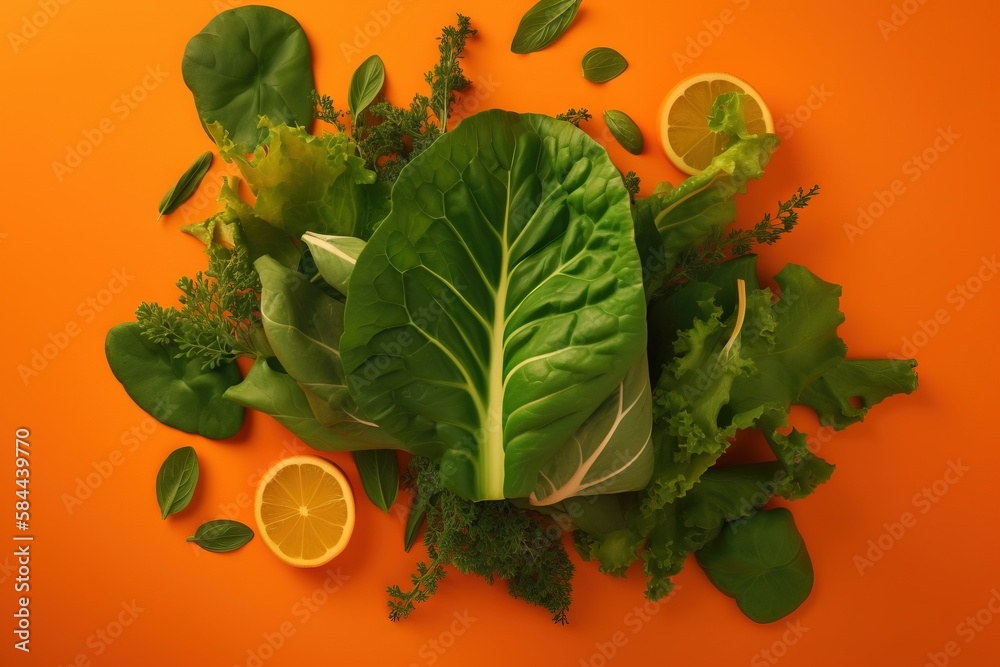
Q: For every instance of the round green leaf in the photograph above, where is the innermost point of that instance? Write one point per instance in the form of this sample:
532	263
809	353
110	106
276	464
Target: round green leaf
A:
543	24
175	390
176	480
602	64
625	131
250	62
762	562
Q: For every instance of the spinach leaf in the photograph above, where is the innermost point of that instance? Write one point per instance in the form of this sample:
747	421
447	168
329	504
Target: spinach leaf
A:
762	562
174	389
611	452
246	63
221	535
175	481
366	83
543	24
625	131
601	64
501	301
185	185
379	471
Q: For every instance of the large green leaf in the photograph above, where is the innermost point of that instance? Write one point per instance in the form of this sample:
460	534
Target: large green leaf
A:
763	563
501	301
303	327
246	63
611	452
172	387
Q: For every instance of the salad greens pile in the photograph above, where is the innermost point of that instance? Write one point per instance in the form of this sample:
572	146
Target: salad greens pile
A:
493	297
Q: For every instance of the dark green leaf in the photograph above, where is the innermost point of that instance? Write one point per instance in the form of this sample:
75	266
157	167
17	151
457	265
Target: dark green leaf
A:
176	480
185	185
366	83
174	389
221	535
379	471
415	520
624	130
763	563
868	381
246	63
602	64
543	24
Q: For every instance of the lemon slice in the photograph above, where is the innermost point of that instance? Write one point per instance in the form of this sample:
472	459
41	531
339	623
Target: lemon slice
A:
689	143
305	510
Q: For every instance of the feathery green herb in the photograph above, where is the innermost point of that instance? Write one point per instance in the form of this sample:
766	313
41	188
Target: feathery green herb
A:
721	246
219	309
525	551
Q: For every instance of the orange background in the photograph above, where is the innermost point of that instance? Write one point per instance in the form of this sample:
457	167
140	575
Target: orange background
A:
869	98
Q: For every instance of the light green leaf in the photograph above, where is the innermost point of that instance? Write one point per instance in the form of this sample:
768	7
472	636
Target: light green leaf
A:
611	452
501	301
176	481
303	327
763	563
335	257
366	83
306	183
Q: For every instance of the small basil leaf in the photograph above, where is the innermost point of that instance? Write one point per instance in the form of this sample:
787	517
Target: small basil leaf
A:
543	24
762	562
418	511
379	471
185	185
176	480
221	535
602	64
625	131
246	63
172	388
366	83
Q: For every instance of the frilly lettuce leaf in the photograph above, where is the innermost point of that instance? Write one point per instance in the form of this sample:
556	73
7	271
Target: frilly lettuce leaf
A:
307	183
